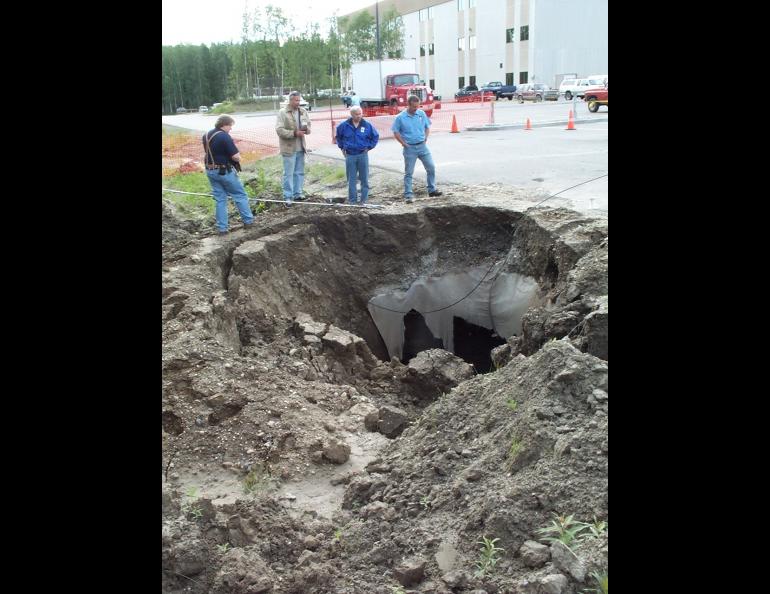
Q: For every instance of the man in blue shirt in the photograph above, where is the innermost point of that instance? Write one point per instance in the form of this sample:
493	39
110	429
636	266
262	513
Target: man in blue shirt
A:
222	166
356	137
411	128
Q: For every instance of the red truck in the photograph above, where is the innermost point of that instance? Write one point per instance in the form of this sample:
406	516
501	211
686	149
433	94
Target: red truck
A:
389	83
596	96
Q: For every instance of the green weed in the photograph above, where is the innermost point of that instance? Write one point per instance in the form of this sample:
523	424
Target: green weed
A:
512	404
516	446
425	502
255	482
489	556
189	505
223	548
565	528
602	583
596	529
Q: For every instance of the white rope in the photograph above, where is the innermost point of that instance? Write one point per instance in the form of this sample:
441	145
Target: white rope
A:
283	201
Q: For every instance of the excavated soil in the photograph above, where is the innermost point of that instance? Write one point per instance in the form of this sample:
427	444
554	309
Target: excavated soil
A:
299	457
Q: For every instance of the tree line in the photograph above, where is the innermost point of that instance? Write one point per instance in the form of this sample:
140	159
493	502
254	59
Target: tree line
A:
272	58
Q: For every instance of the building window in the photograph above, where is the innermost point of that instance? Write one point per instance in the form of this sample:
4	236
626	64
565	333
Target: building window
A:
423	14
422	49
472	80
509	78
524	35
461	44
509	35
430	12
432	83
472	42
460	5
430	49
461	80
522	77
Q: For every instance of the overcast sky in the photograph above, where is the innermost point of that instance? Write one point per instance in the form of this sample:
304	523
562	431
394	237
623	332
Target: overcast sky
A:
215	21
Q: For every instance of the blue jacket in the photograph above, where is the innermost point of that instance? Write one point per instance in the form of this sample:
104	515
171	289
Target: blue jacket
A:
354	140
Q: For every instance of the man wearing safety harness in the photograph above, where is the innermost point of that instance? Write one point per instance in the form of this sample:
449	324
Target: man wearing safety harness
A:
222	166
411	129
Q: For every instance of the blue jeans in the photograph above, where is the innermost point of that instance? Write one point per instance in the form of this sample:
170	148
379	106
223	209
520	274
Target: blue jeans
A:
293	176
411	154
221	186
357	164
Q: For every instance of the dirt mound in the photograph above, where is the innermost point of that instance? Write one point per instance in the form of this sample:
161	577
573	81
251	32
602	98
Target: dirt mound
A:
299	458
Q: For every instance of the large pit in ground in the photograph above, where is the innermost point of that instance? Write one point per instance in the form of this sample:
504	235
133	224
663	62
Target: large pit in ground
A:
251	402
443	278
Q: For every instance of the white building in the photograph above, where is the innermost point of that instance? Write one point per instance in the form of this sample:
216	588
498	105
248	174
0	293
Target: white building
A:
464	42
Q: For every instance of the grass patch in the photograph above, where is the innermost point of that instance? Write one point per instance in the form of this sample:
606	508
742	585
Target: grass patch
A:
256	482
169	130
192	207
238	106
512	404
325	174
516	446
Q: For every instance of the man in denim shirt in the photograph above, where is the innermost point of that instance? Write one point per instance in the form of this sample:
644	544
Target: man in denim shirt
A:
222	160
356	137
411	129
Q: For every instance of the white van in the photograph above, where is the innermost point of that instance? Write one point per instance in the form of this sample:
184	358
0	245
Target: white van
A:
580	85
568	85
602	78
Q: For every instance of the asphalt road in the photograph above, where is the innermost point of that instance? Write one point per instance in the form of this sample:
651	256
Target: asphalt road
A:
544	160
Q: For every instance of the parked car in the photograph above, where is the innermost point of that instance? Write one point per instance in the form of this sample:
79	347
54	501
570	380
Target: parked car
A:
536	92
203	109
181	110
499	89
596	96
346	98
302	103
466	91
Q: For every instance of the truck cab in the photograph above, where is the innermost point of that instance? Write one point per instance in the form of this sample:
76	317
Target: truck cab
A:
387	84
398	88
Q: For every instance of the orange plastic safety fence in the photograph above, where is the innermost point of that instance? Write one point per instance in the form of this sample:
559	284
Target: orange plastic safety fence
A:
256	139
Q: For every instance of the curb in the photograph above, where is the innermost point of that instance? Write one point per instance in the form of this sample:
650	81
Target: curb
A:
494	127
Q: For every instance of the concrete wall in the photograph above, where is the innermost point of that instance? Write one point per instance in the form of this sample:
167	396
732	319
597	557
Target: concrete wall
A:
568	37
565	36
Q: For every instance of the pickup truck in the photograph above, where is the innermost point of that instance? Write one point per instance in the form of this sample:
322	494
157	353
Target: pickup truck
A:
596	96
499	89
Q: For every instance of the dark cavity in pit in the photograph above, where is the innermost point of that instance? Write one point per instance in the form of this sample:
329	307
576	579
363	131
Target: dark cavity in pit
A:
442	278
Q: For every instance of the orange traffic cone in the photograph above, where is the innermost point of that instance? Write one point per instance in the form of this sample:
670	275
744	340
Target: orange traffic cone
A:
571	122
529	125
454	124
